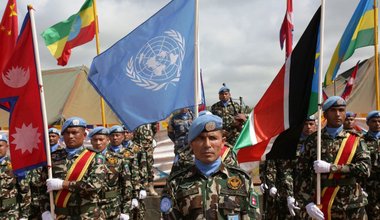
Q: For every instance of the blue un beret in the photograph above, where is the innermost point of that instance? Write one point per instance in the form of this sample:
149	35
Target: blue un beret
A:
333	101
350	114
224	89
205	122
373	114
3	137
73	122
54	131
116	129
98	130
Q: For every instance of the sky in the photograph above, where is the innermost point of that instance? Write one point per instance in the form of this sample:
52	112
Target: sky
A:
239	40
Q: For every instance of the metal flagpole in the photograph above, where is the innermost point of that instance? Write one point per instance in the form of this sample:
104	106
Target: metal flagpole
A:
196	59
320	99
97	53
376	54
43	105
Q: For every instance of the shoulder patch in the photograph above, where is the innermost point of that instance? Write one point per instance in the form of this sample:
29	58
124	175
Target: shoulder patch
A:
253	199
166	204
99	158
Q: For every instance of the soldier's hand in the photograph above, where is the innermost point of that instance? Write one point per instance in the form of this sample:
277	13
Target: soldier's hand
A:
314	212
54	184
142	194
292	204
134	203
273	191
46	216
263	187
321	166
124	216
23	219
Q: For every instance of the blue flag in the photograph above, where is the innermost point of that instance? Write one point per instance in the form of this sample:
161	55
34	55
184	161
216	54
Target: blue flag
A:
150	72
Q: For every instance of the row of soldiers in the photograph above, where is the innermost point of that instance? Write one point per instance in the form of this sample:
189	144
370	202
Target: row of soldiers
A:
105	181
349	169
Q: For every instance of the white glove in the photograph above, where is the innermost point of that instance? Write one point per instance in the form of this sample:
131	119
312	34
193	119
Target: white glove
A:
273	191
54	184
135	203
292	204
263	187
321	166
314	211
142	194
23	219
124	216
46	215
364	193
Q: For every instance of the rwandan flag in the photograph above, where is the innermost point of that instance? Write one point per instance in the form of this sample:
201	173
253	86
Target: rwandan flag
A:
78	29
359	33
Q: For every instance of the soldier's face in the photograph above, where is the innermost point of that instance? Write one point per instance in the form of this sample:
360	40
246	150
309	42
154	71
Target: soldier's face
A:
309	127
128	135
374	124
53	139
99	142
3	148
74	137
207	146
116	138
349	123
335	116
224	96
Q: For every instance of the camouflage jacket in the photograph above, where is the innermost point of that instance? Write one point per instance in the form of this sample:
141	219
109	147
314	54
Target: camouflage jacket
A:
14	194
228	191
143	135
87	190
227	113
349	196
178	129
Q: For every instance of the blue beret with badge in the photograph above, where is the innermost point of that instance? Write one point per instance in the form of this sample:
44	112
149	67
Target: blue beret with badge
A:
373	114
99	130
54	131
224	89
73	122
117	129
205	122
350	114
333	101
3	137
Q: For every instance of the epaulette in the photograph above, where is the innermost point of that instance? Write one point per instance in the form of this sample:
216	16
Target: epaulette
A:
58	154
354	132
177	173
90	148
238	169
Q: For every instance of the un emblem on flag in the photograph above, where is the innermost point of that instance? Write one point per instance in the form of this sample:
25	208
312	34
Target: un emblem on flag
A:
158	64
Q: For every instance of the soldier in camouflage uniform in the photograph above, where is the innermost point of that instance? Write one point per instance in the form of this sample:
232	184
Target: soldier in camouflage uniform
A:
143	136
178	129
339	177
372	184
117	190
121	143
230	112
209	189
82	191
14	193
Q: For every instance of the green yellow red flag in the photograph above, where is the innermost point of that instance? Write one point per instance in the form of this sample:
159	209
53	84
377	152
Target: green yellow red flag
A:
78	29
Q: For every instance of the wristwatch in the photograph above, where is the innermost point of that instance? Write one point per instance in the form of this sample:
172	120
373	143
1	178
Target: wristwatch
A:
334	168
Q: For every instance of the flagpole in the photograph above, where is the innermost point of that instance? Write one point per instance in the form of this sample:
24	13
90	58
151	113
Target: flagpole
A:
196	59
376	53
43	105
97	53
320	80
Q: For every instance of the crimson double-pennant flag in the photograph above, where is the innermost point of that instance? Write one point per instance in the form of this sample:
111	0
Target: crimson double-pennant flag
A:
286	31
20	88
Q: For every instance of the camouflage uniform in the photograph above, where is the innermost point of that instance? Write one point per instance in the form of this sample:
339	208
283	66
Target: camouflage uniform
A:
372	184
227	192
14	195
83	202
227	113
349	201
144	138
117	191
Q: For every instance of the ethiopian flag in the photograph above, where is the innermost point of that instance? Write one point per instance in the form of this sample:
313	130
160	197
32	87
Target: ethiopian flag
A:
78	29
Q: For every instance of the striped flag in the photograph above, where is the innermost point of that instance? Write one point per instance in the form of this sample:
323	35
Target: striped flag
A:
78	29
350	83
275	123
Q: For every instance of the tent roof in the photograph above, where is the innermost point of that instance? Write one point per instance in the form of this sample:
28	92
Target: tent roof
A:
68	93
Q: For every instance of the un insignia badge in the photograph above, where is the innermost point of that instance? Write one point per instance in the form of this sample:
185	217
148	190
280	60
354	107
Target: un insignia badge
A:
127	154
234	182
210	126
112	160
165	204
135	149
9	166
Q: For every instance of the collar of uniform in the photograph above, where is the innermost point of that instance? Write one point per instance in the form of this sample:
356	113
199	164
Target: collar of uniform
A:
195	171
341	134
4	160
72	152
374	135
